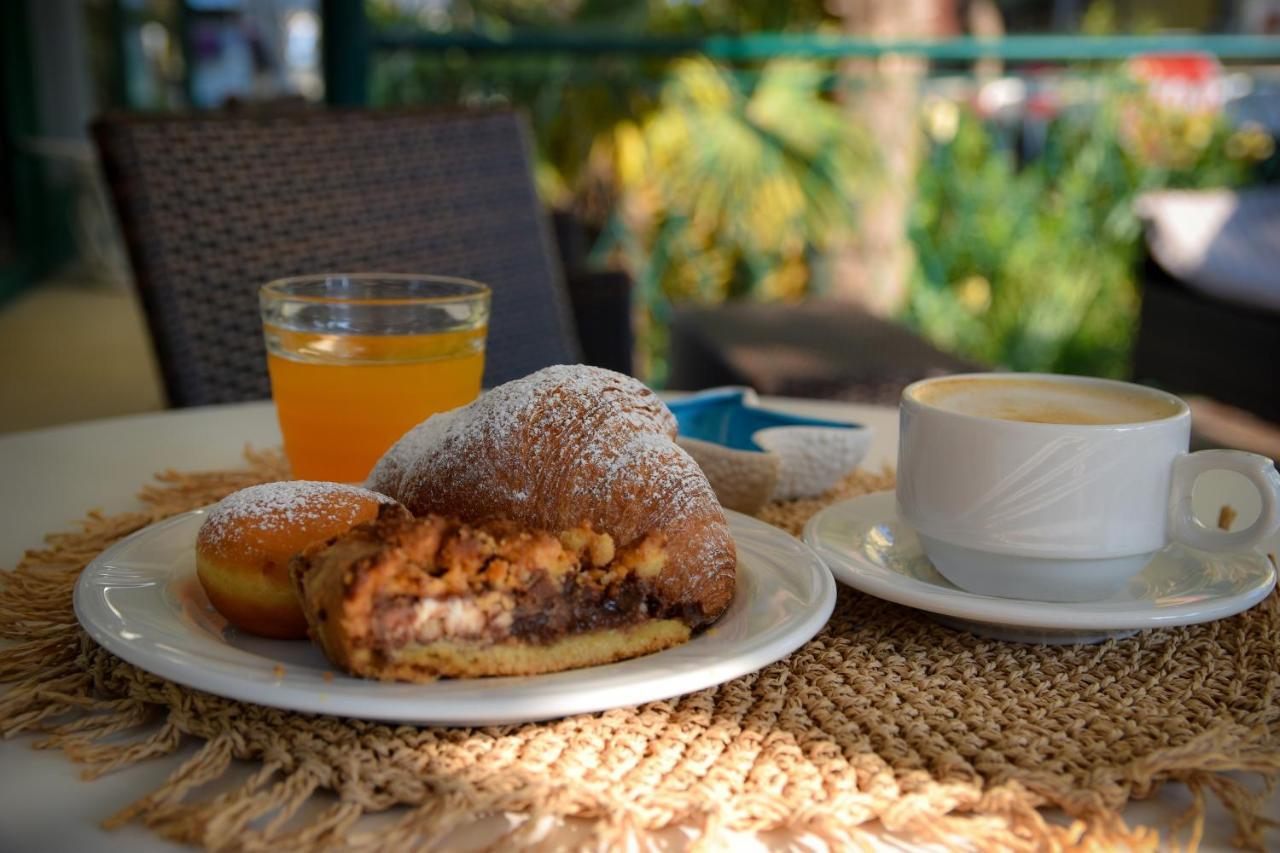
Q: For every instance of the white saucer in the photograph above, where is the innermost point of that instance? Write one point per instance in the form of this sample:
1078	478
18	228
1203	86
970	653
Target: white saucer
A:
868	547
141	600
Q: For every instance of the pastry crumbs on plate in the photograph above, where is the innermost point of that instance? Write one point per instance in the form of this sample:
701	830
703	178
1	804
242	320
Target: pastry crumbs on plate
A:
328	675
278	671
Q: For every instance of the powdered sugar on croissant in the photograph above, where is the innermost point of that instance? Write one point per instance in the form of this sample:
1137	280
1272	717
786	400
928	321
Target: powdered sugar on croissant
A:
566	446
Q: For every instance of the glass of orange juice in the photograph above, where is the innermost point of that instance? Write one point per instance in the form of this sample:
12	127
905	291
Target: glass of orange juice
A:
356	360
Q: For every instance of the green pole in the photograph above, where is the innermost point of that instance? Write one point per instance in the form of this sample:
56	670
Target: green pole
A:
759	46
345	52
184	21
119	73
19	122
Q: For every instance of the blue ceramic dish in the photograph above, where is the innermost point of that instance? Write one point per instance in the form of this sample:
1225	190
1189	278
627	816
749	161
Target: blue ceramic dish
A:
730	417
752	455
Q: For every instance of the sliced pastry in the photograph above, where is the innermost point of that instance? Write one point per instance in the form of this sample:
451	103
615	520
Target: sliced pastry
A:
416	599
558	525
574	446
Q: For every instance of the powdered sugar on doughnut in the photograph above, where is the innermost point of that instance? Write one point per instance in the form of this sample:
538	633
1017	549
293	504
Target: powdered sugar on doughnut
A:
284	506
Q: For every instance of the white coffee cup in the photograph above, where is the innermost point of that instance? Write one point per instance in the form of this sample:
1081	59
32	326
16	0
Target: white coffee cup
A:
1008	502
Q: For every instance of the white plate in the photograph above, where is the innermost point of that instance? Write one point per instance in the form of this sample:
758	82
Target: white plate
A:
141	601
869	548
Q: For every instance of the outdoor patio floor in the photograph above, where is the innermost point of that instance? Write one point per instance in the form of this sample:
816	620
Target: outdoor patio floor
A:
73	351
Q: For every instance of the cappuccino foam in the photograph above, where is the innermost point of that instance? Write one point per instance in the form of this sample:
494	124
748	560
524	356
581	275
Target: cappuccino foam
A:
1045	401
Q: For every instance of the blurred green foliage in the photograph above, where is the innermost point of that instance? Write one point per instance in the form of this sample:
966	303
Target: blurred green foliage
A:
705	184
613	16
1032	266
728	189
710	183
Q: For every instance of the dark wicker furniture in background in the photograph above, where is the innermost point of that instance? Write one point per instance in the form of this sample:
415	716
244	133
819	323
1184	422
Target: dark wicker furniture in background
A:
1191	343
213	206
821	349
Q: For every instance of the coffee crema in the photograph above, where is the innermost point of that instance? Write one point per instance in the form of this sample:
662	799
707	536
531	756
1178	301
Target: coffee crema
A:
1044	401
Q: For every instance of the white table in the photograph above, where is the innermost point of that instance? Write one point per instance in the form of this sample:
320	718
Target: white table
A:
52	477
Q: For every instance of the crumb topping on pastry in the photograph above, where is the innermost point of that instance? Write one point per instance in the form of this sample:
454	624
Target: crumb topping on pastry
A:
414	581
573	445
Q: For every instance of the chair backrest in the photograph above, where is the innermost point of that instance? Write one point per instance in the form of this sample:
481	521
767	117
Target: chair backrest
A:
214	206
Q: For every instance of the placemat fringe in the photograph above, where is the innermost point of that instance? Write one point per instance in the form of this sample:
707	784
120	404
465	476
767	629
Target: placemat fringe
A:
876	719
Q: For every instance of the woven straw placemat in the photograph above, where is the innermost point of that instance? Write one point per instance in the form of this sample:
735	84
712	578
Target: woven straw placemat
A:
884	715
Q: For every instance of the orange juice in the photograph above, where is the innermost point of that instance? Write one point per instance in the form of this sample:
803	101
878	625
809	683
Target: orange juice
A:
343	400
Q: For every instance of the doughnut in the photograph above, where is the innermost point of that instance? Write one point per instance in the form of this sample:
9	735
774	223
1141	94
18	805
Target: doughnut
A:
244	546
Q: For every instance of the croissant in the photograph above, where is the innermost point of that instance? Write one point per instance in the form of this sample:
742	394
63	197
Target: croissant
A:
587	535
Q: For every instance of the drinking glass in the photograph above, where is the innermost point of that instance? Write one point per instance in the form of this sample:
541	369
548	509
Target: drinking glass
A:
356	360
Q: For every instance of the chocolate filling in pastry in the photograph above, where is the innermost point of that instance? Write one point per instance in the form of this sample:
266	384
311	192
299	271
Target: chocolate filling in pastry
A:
415	599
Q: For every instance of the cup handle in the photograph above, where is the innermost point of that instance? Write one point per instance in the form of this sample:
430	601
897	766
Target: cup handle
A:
1185	528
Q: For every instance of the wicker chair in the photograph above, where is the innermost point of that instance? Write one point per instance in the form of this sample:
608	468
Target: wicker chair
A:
213	206
821	349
